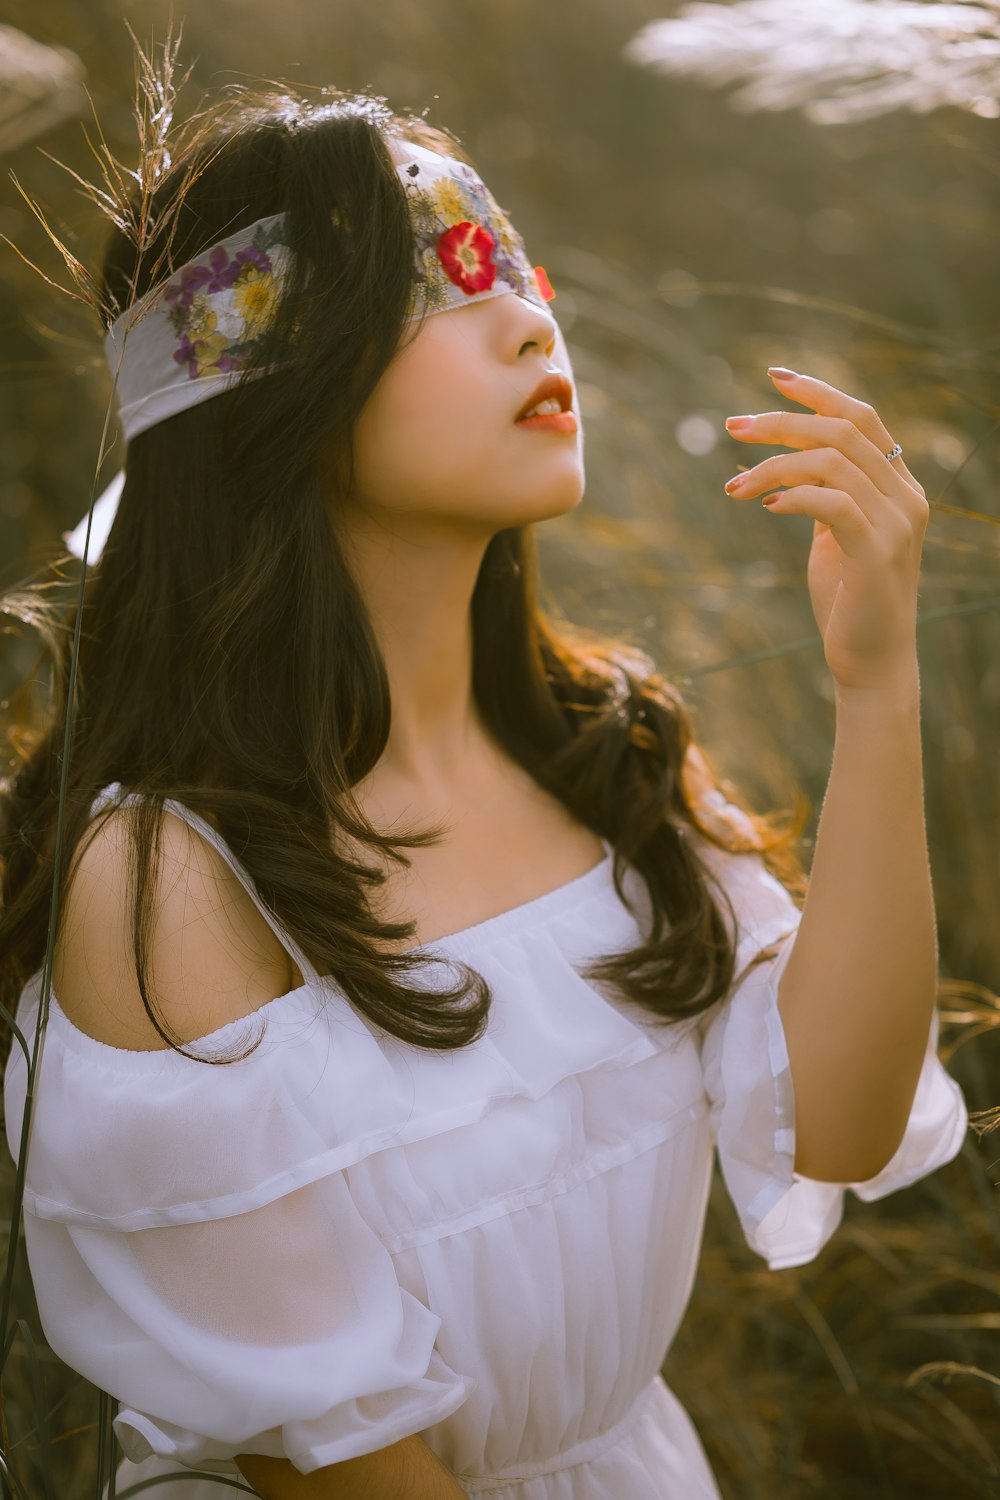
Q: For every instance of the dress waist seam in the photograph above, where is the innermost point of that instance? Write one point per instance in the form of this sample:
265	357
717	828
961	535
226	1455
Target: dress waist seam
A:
581	1453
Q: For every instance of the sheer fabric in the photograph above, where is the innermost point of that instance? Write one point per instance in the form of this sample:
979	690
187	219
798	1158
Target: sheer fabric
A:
344	1239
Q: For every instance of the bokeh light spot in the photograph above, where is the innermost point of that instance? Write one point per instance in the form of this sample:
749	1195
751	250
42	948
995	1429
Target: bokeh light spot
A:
696	434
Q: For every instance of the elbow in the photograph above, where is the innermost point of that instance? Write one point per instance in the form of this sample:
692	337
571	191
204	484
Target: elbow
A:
849	1138
833	1162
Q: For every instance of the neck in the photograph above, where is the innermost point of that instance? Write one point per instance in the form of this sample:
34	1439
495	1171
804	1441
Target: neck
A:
417	581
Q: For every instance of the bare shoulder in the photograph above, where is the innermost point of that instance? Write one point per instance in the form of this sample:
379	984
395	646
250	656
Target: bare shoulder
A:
212	956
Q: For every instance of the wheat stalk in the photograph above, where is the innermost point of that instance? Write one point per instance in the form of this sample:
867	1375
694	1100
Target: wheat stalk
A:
123	194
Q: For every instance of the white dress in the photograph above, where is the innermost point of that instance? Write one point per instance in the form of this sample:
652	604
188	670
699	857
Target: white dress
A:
346	1239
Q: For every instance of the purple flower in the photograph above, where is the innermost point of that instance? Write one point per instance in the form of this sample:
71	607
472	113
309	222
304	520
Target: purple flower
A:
251	256
192	279
207	350
184	355
220	272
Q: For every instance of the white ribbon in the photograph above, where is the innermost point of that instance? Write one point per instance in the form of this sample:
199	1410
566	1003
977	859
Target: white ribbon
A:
105	507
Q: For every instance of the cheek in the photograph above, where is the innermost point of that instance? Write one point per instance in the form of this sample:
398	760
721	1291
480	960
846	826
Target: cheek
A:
424	425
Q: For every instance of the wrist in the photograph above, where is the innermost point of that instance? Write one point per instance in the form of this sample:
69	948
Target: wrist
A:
897	694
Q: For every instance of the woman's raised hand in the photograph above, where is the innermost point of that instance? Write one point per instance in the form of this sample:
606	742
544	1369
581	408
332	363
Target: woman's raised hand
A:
869	518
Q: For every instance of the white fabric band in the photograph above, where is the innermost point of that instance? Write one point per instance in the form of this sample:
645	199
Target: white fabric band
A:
194	335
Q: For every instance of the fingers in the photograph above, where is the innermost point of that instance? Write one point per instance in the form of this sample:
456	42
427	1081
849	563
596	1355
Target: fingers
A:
840	475
796	430
852	531
828	401
817	466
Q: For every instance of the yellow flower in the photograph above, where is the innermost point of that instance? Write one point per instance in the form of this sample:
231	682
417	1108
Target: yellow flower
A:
255	297
449	200
208	351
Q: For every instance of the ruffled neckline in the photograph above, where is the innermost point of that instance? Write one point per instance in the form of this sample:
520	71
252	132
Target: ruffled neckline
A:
323	1088
538	909
466	942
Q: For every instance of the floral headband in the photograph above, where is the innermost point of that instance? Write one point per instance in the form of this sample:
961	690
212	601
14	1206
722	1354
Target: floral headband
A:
193	335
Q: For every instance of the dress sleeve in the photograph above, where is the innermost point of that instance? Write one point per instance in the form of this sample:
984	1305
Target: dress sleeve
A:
282	1331
787	1218
197	1250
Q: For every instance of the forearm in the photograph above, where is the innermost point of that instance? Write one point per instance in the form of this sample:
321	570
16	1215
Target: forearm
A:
858	992
406	1470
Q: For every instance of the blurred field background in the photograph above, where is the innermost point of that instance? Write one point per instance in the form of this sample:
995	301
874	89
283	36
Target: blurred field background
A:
694	236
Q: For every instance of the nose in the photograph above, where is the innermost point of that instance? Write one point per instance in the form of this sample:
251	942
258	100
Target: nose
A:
531	327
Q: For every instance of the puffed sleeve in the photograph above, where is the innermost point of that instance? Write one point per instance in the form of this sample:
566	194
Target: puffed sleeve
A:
196	1250
282	1330
787	1218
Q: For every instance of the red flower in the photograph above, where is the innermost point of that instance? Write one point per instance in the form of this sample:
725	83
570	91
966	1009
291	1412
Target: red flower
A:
464	251
544	284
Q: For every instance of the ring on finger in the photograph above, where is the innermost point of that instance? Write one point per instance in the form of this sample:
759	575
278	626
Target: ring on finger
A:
896	452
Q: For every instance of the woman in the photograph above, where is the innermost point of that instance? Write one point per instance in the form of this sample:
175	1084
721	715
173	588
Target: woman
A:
362	1172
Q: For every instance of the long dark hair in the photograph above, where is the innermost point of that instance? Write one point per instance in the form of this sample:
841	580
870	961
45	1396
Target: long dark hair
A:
226	657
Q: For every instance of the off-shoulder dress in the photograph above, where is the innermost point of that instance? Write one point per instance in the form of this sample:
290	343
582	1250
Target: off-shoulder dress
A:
345	1239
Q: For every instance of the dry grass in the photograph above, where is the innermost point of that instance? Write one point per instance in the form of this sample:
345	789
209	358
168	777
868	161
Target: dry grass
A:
874	1371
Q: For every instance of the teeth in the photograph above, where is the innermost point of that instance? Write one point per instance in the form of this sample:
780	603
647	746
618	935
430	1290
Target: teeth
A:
545	408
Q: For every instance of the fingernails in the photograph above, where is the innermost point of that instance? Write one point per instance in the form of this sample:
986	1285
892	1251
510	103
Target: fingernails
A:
780	373
738	424
734	483
770	499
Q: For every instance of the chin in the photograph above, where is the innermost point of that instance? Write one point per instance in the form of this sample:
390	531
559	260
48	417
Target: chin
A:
545	504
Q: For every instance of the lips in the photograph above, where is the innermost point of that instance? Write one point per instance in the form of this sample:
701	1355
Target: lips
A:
554	387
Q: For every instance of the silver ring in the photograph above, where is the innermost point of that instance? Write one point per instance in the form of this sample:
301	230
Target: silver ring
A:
897	452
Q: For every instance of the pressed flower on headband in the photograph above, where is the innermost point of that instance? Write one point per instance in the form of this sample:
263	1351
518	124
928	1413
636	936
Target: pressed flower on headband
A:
193	335
467	247
220	308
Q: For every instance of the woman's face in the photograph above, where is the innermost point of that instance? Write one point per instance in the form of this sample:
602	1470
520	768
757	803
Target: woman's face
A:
438	440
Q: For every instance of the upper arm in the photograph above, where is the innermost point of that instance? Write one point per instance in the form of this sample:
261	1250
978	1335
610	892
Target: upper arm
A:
212	957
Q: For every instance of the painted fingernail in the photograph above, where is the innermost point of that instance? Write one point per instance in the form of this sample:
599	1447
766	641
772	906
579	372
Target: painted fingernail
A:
781	372
738	424
734	483
770	499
